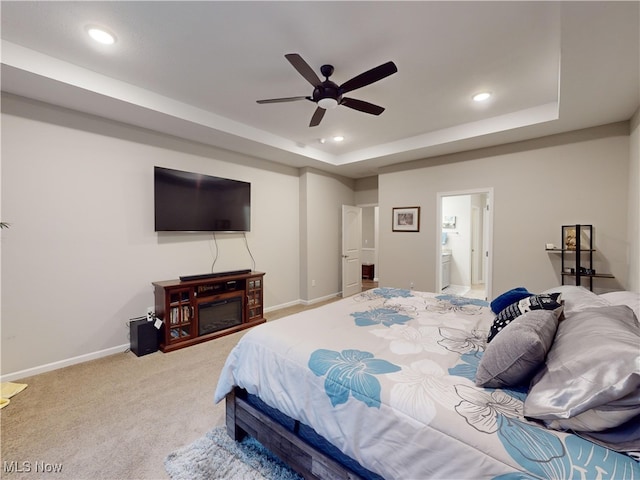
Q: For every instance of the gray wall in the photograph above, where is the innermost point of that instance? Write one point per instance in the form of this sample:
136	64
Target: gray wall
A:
321	214
539	185
81	253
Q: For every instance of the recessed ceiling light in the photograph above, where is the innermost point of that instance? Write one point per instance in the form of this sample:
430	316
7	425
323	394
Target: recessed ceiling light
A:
481	97
101	35
338	138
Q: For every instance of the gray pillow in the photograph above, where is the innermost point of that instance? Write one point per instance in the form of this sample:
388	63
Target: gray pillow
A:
591	378
519	351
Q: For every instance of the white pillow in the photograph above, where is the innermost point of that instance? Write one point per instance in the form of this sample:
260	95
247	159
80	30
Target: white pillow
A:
577	299
631	299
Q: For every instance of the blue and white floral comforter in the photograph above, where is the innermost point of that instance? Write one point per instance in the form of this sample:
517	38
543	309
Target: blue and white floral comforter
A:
387	376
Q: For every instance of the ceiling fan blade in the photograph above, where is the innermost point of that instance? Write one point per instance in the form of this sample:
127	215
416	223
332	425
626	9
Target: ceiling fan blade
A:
280	100
369	77
317	117
303	68
362	106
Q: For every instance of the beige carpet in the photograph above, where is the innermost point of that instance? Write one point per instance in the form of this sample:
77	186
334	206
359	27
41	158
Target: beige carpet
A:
117	417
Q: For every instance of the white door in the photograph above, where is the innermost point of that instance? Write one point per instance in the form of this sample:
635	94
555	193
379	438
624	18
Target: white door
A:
351	246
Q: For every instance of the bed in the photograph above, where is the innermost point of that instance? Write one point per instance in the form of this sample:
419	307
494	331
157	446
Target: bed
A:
400	384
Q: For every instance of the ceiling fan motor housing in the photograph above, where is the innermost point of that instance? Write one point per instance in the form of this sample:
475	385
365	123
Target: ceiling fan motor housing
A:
327	90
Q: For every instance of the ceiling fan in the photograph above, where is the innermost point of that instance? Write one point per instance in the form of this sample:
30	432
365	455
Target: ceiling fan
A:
326	94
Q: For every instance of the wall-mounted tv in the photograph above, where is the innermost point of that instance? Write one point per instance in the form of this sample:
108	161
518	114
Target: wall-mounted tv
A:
192	202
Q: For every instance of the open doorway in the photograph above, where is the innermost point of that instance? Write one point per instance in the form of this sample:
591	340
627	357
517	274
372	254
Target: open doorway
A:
370	270
359	248
464	243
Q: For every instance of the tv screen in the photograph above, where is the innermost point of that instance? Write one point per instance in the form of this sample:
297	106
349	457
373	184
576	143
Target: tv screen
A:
192	202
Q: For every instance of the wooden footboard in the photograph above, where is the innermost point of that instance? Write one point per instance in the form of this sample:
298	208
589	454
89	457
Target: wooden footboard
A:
243	419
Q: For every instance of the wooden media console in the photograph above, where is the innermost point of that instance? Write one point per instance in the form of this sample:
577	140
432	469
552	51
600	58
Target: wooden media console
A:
194	311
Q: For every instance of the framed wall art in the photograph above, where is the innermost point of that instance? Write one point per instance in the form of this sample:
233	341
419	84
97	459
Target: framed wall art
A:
406	219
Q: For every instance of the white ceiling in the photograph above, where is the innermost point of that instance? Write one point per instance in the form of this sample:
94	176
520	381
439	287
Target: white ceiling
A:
196	69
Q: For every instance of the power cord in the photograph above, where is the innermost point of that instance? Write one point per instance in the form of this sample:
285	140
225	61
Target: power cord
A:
253	262
215	258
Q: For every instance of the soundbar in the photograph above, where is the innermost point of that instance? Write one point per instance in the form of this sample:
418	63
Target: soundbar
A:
204	276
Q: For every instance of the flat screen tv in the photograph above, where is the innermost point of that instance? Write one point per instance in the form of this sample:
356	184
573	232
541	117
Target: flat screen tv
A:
192	202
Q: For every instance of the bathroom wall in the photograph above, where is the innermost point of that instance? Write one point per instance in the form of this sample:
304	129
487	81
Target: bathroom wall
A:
458	237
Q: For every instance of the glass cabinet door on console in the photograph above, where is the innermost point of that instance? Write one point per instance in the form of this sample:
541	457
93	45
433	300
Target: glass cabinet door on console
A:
254	298
180	315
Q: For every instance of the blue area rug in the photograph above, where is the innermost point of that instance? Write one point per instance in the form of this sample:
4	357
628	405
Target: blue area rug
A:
217	456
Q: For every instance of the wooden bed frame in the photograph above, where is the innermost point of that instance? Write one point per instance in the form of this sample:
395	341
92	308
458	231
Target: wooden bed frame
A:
244	419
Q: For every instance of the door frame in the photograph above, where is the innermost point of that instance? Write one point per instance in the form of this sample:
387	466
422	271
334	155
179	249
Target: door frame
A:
477	241
488	234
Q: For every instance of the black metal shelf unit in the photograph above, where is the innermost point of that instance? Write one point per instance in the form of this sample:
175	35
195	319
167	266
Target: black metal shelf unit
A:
577	255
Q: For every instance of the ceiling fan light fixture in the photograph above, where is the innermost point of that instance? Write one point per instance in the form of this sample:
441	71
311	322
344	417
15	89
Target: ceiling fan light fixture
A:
327	103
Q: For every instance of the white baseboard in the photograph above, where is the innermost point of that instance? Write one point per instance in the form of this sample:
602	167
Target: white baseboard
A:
320	299
282	305
29	372
313	301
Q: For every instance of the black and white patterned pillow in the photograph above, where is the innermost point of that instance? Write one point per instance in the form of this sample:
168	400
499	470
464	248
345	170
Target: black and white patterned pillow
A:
546	301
